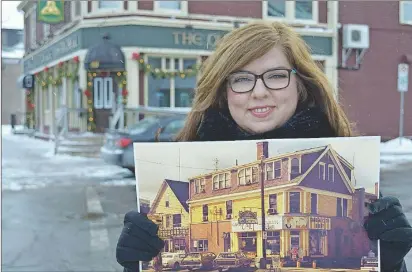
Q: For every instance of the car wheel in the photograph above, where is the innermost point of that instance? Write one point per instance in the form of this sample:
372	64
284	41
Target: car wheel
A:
176	266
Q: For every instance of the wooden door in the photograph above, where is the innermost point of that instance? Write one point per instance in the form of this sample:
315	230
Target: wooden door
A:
104	100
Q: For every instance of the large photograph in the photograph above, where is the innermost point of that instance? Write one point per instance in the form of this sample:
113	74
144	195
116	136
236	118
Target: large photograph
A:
248	205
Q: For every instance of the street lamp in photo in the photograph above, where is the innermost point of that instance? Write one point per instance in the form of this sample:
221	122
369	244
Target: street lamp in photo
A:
262	197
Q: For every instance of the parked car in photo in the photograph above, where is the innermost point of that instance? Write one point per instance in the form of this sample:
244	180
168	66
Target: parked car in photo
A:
172	260
198	260
118	144
231	260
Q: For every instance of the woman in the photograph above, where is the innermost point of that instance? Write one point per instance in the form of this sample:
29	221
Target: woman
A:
262	83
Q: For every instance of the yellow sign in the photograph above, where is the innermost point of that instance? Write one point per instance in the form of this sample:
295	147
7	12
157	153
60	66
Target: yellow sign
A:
94	64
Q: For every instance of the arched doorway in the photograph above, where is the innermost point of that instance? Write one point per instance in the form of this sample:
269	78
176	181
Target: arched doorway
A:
105	66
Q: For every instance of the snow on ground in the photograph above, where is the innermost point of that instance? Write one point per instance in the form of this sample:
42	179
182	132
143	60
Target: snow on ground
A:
29	163
395	152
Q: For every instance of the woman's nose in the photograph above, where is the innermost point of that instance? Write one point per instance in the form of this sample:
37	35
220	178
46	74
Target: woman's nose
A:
260	89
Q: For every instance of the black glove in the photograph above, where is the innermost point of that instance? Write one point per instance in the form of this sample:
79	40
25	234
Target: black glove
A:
138	241
387	222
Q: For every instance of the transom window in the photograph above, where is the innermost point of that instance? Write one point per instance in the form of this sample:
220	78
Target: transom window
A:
174	7
248	175
221	181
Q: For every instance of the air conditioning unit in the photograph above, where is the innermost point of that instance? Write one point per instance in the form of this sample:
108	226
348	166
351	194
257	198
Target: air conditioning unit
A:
272	211
355	36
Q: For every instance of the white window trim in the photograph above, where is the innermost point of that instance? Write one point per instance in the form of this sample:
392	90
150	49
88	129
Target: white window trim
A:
243	170
324	170
290	14
401	12
108	94
179	67
98	103
218	176
331	166
33	28
105	11
182	12
272	163
73	9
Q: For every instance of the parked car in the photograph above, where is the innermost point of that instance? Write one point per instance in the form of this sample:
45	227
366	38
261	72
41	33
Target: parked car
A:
198	260
172	260
118	146
231	260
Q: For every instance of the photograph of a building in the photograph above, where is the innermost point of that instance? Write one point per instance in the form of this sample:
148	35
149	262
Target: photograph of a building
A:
313	199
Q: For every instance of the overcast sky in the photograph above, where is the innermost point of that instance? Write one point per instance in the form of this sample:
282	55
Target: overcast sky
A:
10	17
158	161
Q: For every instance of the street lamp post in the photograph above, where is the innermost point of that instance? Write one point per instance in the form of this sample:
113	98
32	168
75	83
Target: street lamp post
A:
262	197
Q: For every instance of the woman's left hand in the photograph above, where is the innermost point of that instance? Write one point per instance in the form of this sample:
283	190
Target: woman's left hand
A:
387	222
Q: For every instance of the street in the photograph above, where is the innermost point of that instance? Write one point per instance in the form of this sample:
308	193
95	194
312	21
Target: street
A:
65	214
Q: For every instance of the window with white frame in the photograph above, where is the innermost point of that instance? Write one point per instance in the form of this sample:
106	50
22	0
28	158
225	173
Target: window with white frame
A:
103	92
274	170
331	172
33	27
108	92
98	92
248	175
46	30
221	181
200	185
405	12
171	91
103	4
322	171
171	6
303	10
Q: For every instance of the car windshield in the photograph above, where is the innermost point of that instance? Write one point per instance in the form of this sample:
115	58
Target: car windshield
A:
143	125
227	255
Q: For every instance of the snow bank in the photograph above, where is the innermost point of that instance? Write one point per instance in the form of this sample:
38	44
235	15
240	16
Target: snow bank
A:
398	146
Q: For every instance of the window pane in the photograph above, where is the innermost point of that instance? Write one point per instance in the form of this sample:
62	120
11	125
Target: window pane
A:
170	4
276	8
159	88
110	4
407	12
303	10
184	87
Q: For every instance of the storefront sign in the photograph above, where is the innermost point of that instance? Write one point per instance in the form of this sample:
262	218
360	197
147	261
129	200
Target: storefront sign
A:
237	227
295	222
273	222
145	36
247	217
320	223
196	38
55	51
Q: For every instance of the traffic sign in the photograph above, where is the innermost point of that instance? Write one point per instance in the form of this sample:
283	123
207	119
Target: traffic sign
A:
403	74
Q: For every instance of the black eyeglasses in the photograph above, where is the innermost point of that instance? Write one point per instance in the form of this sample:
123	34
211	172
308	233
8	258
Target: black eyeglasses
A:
274	79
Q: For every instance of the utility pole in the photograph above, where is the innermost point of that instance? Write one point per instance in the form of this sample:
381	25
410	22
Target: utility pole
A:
262	196
216	160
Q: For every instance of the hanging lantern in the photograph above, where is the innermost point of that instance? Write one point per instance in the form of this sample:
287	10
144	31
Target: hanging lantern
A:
60	64
76	59
135	56
125	92
46	69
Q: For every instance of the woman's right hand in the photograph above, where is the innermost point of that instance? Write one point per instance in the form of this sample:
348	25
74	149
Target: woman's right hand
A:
138	241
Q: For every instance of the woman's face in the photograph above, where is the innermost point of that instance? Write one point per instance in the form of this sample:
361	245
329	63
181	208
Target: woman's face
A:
262	109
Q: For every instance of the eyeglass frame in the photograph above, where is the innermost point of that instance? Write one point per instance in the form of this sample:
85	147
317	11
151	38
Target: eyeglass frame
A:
290	71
